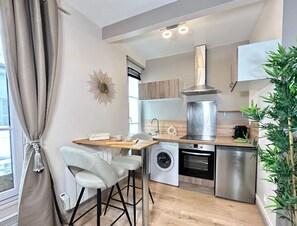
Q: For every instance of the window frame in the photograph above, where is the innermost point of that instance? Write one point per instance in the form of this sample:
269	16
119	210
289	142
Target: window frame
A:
130	122
16	143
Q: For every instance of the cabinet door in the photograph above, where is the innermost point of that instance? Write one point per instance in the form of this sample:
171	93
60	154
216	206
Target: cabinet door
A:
236	173
159	90
234	71
251	58
169	89
143	91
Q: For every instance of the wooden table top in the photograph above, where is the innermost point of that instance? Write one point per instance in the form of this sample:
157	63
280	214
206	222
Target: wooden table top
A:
141	144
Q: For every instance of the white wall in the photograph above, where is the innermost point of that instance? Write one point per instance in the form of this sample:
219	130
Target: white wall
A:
264	188
270	23
181	66
289	23
269	27
75	113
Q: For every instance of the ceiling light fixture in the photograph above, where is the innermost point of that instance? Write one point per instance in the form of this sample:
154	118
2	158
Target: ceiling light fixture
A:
167	33
183	29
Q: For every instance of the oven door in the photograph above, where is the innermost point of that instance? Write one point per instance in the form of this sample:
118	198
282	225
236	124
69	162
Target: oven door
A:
196	163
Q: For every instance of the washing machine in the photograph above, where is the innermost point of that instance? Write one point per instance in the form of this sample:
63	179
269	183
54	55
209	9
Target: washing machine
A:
164	163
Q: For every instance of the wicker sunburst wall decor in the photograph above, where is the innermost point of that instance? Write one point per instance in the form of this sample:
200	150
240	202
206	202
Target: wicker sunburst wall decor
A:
102	87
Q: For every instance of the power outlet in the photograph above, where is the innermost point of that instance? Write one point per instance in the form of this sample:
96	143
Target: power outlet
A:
65	200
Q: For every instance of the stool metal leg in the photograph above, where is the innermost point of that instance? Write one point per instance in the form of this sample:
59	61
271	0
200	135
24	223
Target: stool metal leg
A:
151	196
76	206
128	184
123	202
134	197
98	206
108	200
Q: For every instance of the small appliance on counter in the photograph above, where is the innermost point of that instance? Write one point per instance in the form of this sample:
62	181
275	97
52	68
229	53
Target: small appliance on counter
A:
240	132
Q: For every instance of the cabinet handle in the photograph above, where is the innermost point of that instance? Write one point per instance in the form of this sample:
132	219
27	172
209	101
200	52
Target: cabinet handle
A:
231	85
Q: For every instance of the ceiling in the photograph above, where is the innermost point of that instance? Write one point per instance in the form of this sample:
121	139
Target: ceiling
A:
106	12
220	29
213	28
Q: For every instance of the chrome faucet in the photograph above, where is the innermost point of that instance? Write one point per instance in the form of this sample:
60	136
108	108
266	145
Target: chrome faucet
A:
158	128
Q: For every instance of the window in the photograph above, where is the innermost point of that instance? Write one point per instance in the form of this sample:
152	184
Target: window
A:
6	177
10	139
134	103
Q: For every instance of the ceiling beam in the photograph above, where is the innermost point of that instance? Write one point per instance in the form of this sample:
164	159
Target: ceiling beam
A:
173	13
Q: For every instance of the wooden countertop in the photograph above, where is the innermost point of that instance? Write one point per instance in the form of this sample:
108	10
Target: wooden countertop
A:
141	144
225	141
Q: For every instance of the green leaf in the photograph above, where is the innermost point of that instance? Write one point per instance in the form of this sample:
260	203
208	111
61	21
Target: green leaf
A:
281	105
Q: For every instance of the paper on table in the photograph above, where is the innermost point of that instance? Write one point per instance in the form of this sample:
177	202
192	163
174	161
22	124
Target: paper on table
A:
99	136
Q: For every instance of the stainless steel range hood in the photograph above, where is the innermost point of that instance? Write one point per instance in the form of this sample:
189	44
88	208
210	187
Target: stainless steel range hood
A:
200	86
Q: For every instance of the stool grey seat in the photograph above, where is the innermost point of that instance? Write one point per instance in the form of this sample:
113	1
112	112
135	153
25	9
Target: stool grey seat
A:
92	172
131	163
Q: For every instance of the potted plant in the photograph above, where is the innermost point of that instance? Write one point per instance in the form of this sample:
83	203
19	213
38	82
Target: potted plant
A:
279	156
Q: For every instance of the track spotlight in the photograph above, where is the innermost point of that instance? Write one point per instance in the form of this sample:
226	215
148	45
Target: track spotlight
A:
167	33
183	29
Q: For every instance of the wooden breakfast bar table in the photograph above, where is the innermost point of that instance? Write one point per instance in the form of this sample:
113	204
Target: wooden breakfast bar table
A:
141	145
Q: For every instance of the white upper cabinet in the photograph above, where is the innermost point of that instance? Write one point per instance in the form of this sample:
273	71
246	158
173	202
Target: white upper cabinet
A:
251	58
248	65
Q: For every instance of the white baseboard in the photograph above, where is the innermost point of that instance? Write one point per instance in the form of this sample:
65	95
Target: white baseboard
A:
265	217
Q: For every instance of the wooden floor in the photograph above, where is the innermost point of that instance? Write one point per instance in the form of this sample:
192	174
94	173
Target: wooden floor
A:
177	206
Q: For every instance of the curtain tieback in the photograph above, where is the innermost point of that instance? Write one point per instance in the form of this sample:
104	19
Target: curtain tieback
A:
38	164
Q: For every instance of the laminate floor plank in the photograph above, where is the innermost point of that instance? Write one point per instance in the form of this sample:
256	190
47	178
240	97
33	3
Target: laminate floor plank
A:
182	207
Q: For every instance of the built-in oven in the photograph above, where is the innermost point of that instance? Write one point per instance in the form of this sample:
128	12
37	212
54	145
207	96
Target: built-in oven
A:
197	160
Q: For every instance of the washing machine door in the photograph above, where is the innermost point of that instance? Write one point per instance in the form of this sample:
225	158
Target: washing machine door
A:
163	160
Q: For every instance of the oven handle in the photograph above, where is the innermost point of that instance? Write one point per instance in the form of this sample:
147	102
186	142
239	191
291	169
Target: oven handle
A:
198	154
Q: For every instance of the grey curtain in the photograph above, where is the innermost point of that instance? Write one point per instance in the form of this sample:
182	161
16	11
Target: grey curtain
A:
30	43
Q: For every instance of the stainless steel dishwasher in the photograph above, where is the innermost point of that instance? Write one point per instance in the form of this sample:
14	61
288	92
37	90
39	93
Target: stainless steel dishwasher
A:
236	169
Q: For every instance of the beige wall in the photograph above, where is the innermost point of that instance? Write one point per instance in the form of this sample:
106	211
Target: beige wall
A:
75	114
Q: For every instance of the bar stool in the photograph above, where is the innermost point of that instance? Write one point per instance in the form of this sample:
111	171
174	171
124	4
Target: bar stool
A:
130	163
92	172
139	136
